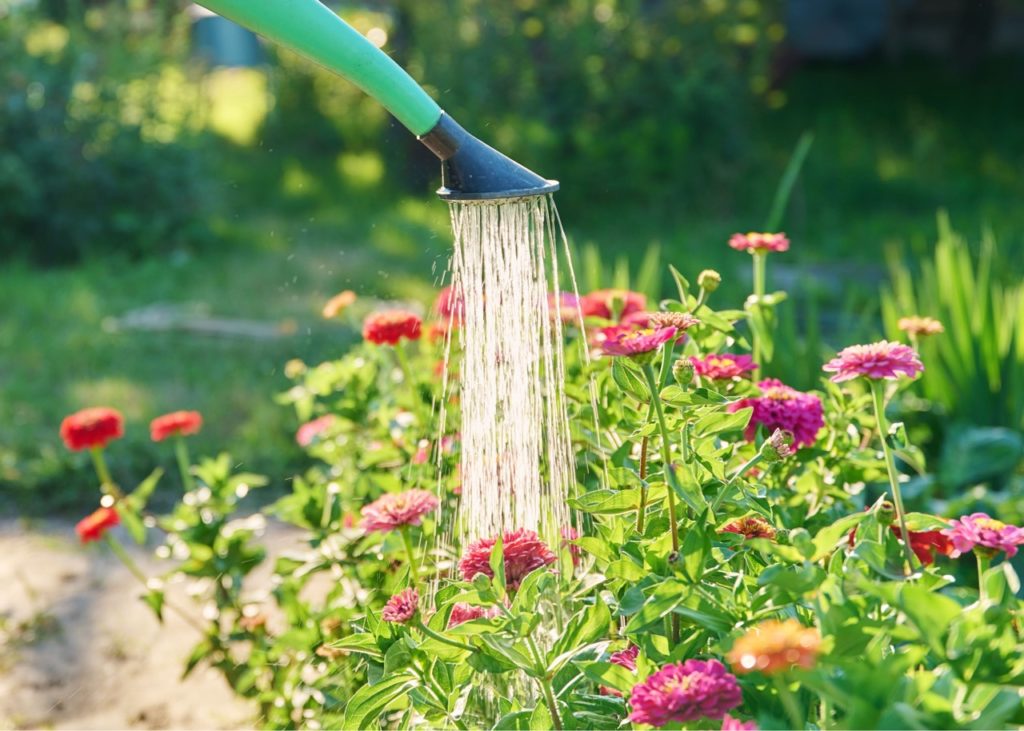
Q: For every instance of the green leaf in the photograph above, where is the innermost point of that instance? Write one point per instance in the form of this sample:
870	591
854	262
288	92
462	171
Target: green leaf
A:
363	643
625	568
140	495
827	538
609	675
367	703
717	422
587	626
132	523
629	380
497	561
682	285
607	502
931	612
664	599
155	600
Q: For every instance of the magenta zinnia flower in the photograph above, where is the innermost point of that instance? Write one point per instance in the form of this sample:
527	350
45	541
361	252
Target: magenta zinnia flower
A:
603	302
637	342
401	607
524	551
395	510
978	529
877	360
723	366
627	659
782	407
683	692
754	242
734	724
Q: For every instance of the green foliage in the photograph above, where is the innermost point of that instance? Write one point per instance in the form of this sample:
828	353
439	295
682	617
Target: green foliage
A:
975	369
97	153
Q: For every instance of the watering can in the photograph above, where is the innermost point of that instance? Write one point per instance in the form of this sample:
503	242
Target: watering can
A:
470	169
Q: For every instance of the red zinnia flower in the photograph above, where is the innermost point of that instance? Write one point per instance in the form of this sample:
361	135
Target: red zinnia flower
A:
685	692
877	360
785	408
401	607
93	526
179	422
723	366
924	543
755	242
523	550
90	428
390	326
395	510
602	303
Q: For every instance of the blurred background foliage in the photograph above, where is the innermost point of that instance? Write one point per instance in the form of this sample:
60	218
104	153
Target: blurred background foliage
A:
159	171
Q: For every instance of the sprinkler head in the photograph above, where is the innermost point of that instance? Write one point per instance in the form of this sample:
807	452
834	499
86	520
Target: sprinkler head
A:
473	171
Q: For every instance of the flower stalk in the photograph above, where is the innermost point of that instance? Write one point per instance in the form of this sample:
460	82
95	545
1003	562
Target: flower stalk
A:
414	569
184	463
877	388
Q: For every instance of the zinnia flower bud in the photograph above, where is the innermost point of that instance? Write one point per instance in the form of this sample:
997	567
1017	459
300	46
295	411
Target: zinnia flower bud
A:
708	280
777	447
683	371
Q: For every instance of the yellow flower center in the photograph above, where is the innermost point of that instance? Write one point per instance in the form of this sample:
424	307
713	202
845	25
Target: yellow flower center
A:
990	523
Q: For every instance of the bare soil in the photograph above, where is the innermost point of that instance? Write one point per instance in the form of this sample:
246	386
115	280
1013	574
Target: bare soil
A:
79	650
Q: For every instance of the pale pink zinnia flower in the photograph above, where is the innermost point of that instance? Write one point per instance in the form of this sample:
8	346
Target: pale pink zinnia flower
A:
523	550
309	431
916	325
684	692
401	607
978	529
785	408
396	510
734	724
877	360
723	366
637	342
462	612
755	242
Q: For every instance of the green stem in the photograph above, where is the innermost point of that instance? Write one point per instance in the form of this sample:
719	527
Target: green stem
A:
441	638
641	509
403	362
890	465
670	474
666	457
983	564
545	683
759	259
103	473
741	470
789	702
414	569
184	463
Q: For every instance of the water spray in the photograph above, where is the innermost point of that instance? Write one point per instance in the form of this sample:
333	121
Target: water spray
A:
506	230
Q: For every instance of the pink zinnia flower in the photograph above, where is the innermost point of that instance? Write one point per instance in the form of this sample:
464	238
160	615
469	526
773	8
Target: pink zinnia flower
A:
523	550
449	304
602	302
734	724
566	305
422	454
723	366
401	607
877	360
313	429
637	342
465	612
782	407
978	529
755	242
684	692
396	510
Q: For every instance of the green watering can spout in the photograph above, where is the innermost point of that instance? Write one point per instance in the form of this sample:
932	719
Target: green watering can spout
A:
470	169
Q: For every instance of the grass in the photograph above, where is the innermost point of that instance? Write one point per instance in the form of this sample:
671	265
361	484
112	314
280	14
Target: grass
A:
892	144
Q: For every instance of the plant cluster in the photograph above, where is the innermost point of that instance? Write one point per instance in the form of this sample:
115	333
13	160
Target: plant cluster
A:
740	553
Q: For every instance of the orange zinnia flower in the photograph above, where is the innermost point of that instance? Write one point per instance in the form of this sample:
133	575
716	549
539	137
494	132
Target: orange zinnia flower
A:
775	646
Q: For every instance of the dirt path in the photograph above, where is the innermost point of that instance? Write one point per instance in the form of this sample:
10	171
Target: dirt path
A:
78	650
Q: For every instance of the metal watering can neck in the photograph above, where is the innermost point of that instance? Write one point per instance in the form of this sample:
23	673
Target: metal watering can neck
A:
471	170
